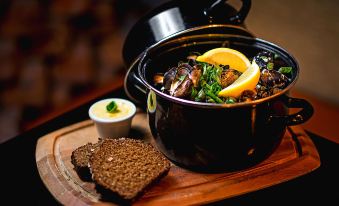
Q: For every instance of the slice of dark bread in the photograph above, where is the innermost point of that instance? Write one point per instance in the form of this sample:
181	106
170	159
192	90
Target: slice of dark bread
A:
127	167
80	159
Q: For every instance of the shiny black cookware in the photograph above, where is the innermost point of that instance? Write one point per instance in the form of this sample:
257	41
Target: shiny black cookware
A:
204	136
210	136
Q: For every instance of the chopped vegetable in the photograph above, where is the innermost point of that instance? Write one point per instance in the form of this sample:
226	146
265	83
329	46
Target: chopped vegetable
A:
285	70
270	65
214	97
182	77
194	92
230	100
112	107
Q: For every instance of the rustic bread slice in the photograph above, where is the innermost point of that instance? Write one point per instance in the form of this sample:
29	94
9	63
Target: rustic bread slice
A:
80	159
127	166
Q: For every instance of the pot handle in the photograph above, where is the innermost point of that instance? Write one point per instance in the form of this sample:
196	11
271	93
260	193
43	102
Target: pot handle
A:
238	18
300	117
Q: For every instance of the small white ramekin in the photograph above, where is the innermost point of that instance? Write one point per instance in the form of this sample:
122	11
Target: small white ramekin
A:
113	127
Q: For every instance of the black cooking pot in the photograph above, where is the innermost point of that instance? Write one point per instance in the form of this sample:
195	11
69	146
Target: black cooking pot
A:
214	137
184	17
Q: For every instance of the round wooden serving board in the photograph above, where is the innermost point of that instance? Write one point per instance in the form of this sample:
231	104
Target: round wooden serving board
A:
295	156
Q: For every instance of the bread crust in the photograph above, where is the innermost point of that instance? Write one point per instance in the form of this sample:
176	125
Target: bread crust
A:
122	169
127	166
80	159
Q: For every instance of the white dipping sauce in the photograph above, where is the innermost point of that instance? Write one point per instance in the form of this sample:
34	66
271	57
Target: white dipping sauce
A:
124	110
100	111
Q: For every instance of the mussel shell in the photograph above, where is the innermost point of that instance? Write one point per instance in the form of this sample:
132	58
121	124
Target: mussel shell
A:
228	76
169	76
263	58
273	78
184	88
195	75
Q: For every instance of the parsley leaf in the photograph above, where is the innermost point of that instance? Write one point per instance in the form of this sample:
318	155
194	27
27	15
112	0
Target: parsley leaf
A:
285	70
112	107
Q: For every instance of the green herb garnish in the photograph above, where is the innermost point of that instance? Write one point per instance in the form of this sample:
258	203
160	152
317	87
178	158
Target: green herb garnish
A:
214	97
270	66
285	70
230	100
182	77
112	107
200	96
209	84
194	92
264	58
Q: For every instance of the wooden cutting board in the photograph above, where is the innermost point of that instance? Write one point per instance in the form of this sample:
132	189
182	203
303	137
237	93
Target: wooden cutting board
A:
295	156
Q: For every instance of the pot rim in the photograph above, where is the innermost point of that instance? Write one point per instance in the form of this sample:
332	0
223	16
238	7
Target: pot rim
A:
218	105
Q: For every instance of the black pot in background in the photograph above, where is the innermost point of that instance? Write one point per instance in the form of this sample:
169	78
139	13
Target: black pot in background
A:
177	16
214	137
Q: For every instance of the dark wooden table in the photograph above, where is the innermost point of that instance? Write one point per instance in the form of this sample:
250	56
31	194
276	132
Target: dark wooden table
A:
22	185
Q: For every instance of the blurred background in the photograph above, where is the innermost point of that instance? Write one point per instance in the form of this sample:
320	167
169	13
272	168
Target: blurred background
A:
53	52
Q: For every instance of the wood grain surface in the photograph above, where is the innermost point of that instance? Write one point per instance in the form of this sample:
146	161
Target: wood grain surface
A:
295	156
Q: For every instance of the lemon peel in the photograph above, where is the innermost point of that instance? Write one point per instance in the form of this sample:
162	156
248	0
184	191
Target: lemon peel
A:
247	81
226	56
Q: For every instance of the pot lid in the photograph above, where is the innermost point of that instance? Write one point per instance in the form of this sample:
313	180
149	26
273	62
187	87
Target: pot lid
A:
176	16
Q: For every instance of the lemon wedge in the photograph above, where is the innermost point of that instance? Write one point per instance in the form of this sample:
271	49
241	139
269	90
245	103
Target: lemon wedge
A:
226	56
247	81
